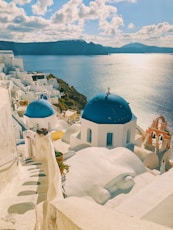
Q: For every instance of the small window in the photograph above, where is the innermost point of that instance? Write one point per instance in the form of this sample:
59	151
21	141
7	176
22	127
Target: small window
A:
109	139
89	135
128	137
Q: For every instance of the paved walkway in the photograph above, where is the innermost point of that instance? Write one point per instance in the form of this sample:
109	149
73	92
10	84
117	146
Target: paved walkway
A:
18	200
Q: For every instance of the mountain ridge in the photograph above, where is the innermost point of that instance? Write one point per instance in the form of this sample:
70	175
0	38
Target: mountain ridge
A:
77	47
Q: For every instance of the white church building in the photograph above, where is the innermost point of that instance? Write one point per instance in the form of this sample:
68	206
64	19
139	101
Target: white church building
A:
107	121
40	114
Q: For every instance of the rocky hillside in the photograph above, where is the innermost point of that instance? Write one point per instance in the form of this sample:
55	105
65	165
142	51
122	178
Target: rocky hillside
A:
72	99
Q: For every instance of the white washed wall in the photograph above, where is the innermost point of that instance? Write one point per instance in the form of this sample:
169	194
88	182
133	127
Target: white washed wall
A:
8	151
7	136
76	213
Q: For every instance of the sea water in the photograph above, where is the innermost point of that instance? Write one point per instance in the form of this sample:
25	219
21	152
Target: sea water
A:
144	80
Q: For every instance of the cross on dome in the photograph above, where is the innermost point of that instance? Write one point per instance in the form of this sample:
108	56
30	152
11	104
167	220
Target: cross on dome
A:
108	91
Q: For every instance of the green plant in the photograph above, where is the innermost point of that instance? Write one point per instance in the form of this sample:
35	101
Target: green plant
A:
63	167
42	131
58	153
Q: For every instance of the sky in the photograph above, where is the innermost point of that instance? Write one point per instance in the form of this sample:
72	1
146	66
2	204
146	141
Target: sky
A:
108	22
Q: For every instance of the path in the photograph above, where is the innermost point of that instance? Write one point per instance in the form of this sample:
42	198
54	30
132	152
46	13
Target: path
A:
18	200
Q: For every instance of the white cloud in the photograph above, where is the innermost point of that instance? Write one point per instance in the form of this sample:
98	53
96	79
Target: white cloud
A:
41	6
111	28
66	23
76	13
68	13
154	32
159	35
9	11
117	1
22	2
69	23
16	25
131	25
66	20
90	12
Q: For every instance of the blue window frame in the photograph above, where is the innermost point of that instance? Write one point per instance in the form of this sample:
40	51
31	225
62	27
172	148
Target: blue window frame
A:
89	135
109	140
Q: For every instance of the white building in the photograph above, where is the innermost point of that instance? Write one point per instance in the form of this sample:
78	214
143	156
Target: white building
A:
40	114
148	205
10	62
107	121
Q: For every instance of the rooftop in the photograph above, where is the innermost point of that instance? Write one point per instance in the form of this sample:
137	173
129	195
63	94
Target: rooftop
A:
107	109
39	109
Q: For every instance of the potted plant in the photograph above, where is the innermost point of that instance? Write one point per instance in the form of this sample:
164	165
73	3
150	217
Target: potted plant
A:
59	156
42	131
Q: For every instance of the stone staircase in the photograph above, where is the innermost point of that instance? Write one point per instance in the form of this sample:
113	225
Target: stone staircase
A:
19	198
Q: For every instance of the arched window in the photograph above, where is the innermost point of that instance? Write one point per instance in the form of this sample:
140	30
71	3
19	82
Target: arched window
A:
161	140
154	137
89	135
109	139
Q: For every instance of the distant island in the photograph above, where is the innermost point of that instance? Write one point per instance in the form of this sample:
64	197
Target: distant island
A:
77	47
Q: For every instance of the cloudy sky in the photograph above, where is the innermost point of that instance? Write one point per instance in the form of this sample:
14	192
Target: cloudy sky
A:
107	22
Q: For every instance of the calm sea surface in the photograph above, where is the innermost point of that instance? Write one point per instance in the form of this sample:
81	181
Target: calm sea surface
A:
144	80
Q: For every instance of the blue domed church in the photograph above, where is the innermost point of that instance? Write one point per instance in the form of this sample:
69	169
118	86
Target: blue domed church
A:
107	121
40	114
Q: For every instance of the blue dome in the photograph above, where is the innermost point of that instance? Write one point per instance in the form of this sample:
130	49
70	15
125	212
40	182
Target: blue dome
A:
39	109
107	109
43	96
